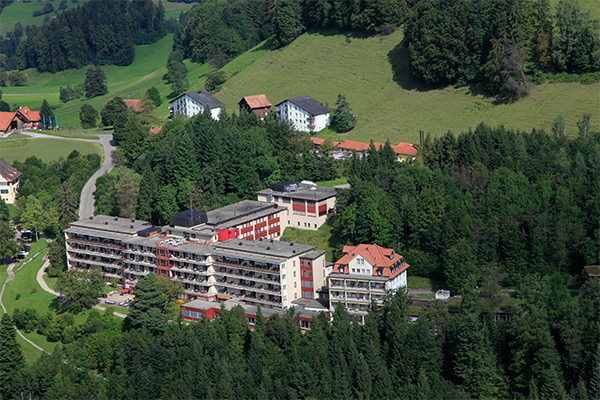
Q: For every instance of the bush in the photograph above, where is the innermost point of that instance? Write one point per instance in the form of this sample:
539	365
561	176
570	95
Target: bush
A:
47	9
214	80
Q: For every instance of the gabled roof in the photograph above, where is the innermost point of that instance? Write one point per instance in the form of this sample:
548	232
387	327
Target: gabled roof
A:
203	97
155	130
258	101
318	141
7	171
5	119
391	263
354	145
135	103
406	148
31	116
402	148
309	104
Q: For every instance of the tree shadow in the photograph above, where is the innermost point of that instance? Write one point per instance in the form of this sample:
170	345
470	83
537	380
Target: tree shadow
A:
399	59
348	34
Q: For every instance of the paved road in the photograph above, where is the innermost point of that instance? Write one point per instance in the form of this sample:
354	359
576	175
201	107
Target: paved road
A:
86	203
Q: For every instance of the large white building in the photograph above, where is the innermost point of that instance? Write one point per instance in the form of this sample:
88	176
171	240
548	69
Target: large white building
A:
304	114
205	253
194	103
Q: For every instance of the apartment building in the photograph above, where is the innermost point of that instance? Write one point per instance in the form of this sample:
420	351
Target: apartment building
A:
364	274
9	182
190	250
304	113
307	205
193	103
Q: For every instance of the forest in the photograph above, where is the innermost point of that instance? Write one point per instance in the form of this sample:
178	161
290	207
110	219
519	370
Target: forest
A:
549	350
98	32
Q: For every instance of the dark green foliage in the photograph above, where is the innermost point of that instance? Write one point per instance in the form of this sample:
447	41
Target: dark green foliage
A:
8	246
176	73
47	113
147	309
111	110
214	80
11	358
95	83
343	120
47	9
88	116
17	78
79	288
97	32
153	95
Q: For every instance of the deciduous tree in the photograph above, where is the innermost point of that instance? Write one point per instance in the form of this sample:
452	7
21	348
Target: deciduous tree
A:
88	116
79	288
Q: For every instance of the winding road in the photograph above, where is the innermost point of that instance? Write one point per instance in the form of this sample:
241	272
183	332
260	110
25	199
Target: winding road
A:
86	203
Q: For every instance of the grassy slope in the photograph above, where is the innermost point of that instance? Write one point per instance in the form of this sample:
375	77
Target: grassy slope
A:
387	101
45	149
322	238
23	13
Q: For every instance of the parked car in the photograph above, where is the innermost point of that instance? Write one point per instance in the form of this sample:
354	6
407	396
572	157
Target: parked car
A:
110	302
124	304
26	247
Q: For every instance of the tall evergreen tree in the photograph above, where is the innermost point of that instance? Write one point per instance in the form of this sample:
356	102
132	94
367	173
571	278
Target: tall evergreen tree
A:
47	114
343	119
95	82
147	309
88	116
11	358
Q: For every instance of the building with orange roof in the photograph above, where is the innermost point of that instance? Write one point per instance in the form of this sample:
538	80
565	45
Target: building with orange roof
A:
364	274
258	104
136	104
403	151
318	141
30	116
9	122
9	182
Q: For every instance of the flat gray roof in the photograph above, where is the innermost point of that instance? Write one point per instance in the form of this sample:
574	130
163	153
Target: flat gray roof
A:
304	192
314	254
277	248
104	223
240	213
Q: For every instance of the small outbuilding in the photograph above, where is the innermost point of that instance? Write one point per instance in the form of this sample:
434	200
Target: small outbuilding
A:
258	104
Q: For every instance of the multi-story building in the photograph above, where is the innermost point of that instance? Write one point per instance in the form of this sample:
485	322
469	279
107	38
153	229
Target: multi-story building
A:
9	182
307	205
194	103
260	271
364	274
304	114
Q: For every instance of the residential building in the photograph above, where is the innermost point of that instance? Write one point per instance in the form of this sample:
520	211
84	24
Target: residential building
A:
307	205
304	114
31	119
258	104
9	182
209	264
403	151
364	274
9	121
193	103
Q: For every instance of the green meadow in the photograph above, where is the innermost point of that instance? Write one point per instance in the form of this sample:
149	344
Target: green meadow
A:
45	149
23	13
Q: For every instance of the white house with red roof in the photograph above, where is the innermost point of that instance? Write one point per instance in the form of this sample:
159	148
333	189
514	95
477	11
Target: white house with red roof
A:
304	113
364	274
9	182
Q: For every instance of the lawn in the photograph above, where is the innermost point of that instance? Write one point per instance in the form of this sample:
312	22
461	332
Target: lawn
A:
14	136
322	238
23	13
417	282
373	74
340	181
45	149
90	134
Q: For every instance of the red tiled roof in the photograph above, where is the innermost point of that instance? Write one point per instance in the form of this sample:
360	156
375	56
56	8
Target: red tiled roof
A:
155	130
406	148
7	171
136	104
402	148
318	141
5	119
353	145
32	116
258	101
393	264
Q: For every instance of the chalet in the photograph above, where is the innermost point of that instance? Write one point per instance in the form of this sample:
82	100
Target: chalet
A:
193	103
31	119
363	275
258	104
9	121
9	182
304	114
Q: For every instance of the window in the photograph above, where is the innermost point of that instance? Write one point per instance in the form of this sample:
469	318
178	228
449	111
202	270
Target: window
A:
295	284
295	295
294	271
4	191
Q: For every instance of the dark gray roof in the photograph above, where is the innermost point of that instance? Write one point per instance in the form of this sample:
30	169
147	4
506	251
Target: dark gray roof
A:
309	104
313	255
105	224
276	248
7	171
240	213
306	192
205	98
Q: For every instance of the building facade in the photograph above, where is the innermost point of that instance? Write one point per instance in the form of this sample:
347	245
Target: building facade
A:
364	274
259	105
304	114
9	182
307	205
190	250
193	103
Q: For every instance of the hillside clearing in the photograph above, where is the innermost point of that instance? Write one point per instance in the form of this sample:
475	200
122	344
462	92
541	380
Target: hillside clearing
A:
45	149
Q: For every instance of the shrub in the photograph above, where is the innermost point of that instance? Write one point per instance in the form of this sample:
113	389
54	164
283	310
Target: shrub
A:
214	80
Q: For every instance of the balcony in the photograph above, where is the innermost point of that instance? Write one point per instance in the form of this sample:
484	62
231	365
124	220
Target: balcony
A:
245	287
95	242
98	252
234	274
311	126
190	280
273	269
94	262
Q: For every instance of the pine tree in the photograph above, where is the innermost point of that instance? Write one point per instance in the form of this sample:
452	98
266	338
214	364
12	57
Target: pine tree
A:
11	358
88	116
95	82
47	114
343	119
153	95
147	310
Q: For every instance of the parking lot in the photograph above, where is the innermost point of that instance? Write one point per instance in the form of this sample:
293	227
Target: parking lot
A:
115	298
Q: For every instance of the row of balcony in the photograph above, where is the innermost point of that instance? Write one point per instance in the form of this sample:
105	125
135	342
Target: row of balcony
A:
95	242
94	262
258	278
272	300
245	266
241	286
99	252
363	286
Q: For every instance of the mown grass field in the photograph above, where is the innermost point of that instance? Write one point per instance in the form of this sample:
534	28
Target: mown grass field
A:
45	149
23	13
373	74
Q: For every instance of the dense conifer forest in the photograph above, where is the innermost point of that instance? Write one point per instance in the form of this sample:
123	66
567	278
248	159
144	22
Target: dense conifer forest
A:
98	32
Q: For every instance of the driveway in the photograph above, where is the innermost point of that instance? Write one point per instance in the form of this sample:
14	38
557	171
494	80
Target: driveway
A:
86	203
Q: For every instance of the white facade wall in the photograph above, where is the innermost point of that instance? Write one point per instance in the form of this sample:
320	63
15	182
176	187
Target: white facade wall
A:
397	282
300	118
8	190
187	107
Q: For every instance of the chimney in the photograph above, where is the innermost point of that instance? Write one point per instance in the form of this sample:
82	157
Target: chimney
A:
422	137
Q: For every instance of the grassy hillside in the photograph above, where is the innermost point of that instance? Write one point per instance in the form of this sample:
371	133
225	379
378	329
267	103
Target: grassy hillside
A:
45	149
23	13
386	100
